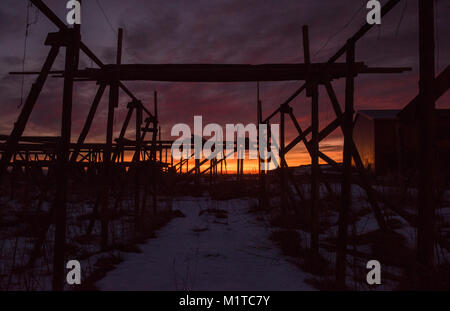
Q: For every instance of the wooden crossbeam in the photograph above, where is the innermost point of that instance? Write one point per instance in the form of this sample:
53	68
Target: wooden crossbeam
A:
225	72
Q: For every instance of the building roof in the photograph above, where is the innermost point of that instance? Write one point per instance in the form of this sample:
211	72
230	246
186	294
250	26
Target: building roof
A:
387	114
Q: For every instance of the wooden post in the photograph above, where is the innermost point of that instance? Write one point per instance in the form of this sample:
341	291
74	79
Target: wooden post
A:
211	163
306	55
312	91
166	157
62	162
238	163
137	168
197	172
119	148
282	160
427	159
113	99
155	126
315	196
346	194
88	122
107	182
155	171
20	124
259	121
77	29
160	145
119	47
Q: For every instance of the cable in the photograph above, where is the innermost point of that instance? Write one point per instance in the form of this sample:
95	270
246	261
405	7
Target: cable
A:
436	17
401	18
108	21
27	32
341	29
106	17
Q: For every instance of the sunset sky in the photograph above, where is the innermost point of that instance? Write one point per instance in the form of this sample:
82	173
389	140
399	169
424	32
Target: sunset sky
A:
216	31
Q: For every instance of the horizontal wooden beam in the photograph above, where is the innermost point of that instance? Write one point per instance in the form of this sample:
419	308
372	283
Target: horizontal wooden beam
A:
224	72
34	139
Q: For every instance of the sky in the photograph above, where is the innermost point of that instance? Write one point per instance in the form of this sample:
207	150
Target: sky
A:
215	31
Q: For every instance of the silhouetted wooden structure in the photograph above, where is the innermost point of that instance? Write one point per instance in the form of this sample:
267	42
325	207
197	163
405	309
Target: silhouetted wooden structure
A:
110	155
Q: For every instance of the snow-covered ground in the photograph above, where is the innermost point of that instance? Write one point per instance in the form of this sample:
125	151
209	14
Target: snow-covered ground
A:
206	252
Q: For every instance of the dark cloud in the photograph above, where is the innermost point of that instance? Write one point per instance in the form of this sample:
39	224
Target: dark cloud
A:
10	23
219	31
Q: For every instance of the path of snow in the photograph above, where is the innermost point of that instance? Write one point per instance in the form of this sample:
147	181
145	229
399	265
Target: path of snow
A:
200	252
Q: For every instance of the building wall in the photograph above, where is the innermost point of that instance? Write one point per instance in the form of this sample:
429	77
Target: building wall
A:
390	146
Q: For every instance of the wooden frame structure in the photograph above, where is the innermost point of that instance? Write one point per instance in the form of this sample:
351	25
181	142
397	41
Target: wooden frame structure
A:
315	75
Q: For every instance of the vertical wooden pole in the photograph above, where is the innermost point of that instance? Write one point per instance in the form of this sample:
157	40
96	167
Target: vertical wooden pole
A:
259	121
137	168
20	124
211	163
197	171
427	169
307	56
155	126
238	163
113	99
107	182
346	194
160	145
88	122
312	91
283	160
315	196
166	155
63	157
77	29
155	172
119	149
119	47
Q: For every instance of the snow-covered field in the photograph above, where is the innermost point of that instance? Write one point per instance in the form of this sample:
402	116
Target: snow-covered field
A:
208	250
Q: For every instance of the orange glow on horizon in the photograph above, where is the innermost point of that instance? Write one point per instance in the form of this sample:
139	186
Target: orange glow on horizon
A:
298	156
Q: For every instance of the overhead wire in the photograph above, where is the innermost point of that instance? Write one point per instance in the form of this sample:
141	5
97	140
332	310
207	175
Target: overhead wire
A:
340	30
436	29
401	18
25	45
114	31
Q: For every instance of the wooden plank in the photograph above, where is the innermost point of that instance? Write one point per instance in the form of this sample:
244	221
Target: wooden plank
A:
346	186
426	238
88	122
314	146
20	124
59	253
215	72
